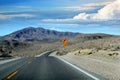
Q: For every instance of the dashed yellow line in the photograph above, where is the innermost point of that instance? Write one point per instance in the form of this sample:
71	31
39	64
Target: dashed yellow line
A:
14	73
11	75
29	62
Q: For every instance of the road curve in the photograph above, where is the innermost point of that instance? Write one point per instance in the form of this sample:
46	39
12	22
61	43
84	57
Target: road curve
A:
46	67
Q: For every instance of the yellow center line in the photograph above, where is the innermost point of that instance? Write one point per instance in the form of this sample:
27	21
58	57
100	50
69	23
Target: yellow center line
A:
29	62
13	74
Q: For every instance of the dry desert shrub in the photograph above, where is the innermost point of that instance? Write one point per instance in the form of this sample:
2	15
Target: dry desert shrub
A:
113	54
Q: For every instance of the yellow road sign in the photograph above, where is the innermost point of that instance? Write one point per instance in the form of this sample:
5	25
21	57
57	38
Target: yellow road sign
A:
65	42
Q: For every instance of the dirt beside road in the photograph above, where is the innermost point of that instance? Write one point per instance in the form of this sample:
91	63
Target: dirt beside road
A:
106	66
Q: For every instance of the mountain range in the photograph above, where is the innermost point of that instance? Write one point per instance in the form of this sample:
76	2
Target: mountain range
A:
31	34
38	34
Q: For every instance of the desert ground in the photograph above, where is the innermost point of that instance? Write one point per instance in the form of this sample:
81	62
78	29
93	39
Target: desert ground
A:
98	63
101	57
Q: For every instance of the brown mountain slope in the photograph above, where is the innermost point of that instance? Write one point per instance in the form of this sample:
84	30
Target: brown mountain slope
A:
38	34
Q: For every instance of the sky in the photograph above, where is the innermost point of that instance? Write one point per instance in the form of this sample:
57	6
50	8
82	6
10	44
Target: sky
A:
83	16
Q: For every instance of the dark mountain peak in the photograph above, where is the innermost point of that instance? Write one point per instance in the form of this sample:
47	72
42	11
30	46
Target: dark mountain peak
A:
38	34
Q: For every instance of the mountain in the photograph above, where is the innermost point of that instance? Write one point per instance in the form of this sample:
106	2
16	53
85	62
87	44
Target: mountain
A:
38	34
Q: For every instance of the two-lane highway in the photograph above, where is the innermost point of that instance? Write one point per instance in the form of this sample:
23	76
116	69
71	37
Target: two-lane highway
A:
47	67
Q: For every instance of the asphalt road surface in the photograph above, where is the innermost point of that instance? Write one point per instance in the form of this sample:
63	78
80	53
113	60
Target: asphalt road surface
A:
44	67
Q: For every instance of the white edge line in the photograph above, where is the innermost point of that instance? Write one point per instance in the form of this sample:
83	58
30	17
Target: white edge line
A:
88	74
9	60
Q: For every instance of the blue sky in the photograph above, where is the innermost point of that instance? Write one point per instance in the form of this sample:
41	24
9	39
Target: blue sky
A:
84	16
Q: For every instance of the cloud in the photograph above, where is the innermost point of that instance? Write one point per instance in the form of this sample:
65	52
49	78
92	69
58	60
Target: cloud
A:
22	7
82	22
79	8
84	7
97	4
108	15
109	12
82	16
9	16
3	16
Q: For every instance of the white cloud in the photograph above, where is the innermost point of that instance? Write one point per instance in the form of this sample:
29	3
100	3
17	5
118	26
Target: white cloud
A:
108	15
97	4
82	16
85	7
109	12
3	16
57	20
22	7
21	15
79	8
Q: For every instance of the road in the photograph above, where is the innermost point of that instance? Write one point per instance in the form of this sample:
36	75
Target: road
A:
44	67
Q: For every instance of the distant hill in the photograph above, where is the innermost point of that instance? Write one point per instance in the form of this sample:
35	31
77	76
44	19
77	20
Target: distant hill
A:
96	36
38	34
87	37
